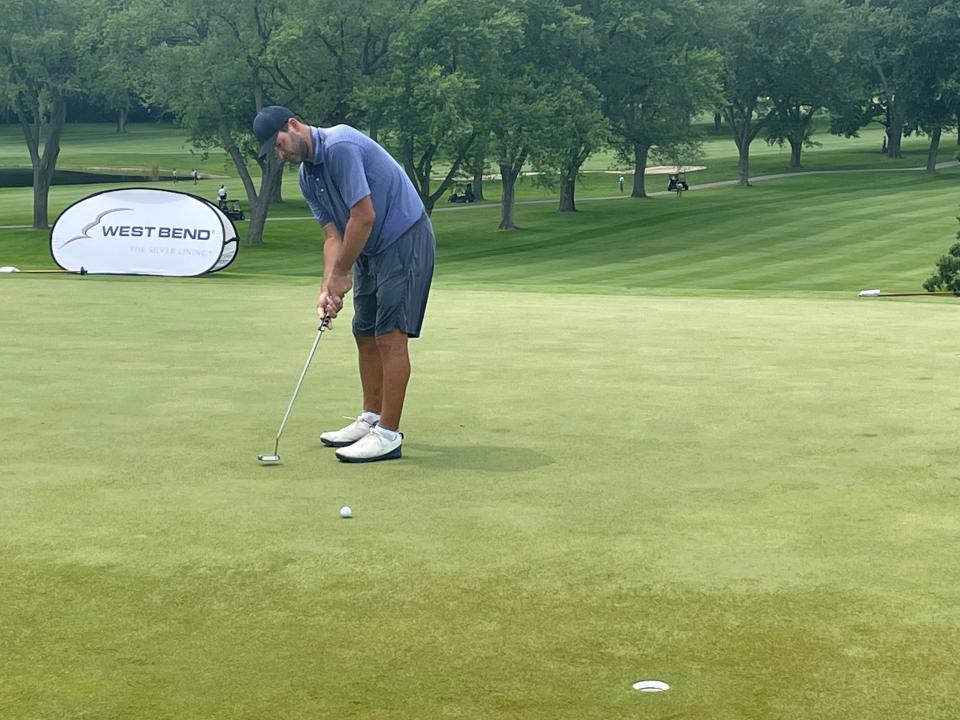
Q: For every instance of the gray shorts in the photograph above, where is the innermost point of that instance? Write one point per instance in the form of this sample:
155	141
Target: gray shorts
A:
390	288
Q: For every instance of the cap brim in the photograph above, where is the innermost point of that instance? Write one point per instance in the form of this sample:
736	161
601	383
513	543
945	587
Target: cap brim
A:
268	145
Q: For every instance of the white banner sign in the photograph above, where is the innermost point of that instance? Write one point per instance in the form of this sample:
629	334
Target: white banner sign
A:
142	231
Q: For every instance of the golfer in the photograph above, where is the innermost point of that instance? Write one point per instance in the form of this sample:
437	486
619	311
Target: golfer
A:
375	223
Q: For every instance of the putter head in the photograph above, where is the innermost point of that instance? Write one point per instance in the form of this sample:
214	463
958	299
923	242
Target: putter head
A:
869	293
269	458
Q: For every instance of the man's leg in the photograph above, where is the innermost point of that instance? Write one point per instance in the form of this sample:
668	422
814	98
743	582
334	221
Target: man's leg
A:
383	393
395	362
371	380
371	373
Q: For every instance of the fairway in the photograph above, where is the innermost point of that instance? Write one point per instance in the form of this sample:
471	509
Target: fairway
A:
655	439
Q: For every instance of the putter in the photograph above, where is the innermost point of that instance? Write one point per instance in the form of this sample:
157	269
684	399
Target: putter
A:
274	457
877	293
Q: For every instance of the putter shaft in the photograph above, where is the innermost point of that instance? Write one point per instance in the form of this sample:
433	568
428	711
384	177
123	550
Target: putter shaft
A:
313	350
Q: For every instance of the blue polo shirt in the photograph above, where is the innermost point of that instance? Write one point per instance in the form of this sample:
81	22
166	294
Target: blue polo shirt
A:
347	166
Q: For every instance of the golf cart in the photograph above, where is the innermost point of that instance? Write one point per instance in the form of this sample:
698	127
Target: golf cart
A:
232	209
466	196
677	183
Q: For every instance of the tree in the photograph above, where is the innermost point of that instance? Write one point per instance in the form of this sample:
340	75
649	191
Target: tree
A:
330	50
886	33
40	71
947	275
579	125
211	64
579	130
655	75
429	98
109	34
933	62
736	29
529	68
909	50
807	44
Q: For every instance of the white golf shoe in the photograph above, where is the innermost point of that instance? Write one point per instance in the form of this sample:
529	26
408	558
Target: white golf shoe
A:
371	447
348	435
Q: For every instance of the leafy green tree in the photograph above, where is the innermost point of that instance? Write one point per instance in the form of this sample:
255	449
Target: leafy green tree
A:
429	98
736	29
40	71
933	59
529	67
111	35
655	75
886	32
807	68
329	54
909	51
947	275
579	129
210	64
575	105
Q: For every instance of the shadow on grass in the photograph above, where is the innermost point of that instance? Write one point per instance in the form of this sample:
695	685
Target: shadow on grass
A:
491	458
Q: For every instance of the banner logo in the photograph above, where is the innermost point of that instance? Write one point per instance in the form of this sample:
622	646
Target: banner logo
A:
143	231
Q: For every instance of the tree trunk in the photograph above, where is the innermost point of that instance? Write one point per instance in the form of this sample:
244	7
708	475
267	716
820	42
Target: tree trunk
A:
934	150
276	196
428	205
41	193
269	188
795	147
743	164
894	135
122	121
258	218
271	170
567	188
894	129
640	153
508	183
476	163
430	199
45	165
744	129
478	184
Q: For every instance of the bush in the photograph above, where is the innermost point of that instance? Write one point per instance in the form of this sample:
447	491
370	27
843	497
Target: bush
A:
947	276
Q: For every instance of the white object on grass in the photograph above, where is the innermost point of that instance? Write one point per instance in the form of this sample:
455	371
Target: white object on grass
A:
346	512
650	686
9	268
869	293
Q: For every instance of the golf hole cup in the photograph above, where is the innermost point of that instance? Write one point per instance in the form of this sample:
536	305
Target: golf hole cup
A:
650	686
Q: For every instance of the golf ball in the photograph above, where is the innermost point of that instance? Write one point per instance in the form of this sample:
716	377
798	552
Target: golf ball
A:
346	512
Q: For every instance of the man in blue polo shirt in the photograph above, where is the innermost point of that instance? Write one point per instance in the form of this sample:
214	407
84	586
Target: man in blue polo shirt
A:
375	223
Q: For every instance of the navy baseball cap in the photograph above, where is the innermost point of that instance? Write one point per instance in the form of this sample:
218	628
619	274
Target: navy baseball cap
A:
267	124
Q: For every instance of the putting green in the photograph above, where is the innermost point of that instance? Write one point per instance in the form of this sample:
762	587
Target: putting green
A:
750	498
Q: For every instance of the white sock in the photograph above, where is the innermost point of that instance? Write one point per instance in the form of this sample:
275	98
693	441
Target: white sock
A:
390	435
370	418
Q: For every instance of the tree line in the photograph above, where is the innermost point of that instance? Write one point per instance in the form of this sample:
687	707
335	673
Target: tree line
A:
457	88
